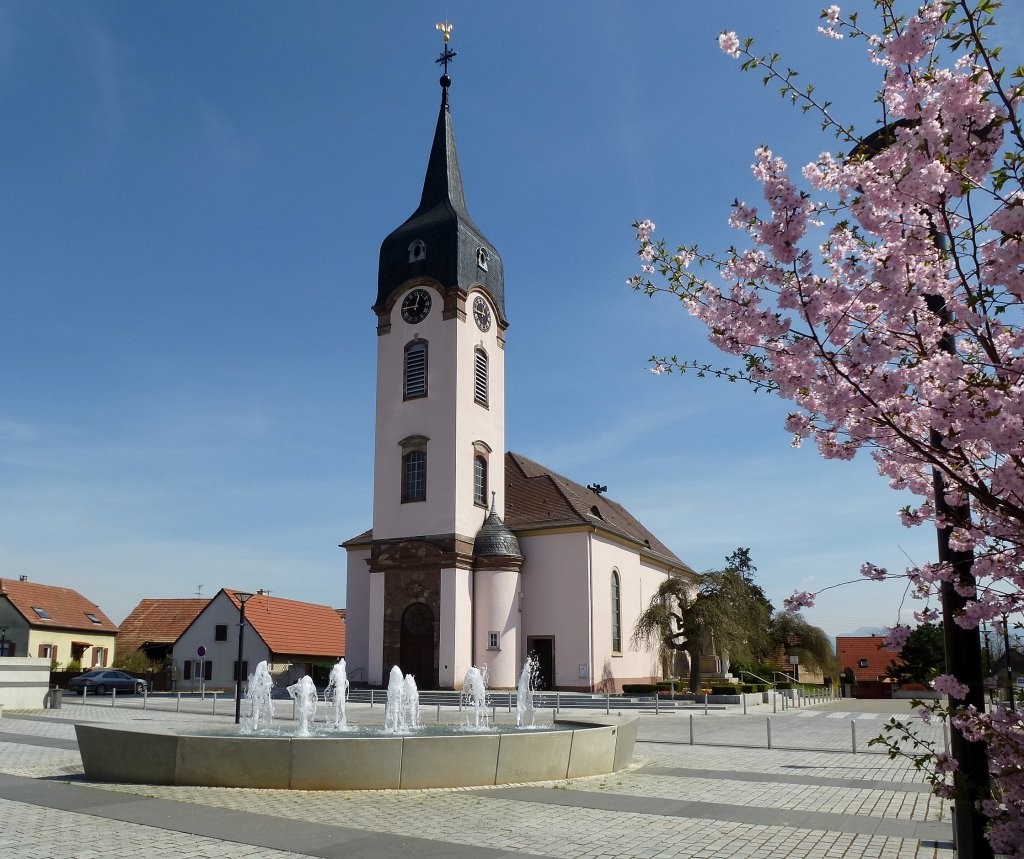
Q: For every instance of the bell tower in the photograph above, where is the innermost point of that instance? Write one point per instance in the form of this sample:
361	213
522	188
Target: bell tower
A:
440	423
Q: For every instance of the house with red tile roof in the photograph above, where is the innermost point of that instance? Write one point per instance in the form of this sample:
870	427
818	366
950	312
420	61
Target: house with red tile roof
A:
294	638
154	625
865	655
54	623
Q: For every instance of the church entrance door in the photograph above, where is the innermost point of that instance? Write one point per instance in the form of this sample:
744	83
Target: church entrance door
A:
416	648
543	647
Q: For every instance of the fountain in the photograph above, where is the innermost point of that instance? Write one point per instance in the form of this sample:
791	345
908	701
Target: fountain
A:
303	693
402	711
474	697
337	694
398	758
257	694
526	714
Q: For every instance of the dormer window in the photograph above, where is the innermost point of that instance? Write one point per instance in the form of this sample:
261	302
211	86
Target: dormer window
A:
482	258
417	250
41	612
93	617
596	513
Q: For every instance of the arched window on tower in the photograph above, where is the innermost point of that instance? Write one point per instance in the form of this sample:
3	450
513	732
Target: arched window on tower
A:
415	371
616	613
414	468
479	480
481	456
480	377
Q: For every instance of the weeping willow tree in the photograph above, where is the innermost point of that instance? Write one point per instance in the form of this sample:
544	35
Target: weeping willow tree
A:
722	606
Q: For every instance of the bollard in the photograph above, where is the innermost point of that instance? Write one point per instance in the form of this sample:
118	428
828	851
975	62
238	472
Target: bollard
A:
113	696
371	698
294	702
744	697
705	704
85	692
656	699
439	714
853	735
493	711
558	702
177	707
775	702
145	696
607	703
769	732
510	702
691	729
945	734
214	703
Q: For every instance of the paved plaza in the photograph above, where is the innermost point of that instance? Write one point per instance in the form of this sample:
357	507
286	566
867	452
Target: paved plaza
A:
723	795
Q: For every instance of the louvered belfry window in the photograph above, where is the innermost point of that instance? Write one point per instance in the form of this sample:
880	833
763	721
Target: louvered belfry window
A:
480	379
415	369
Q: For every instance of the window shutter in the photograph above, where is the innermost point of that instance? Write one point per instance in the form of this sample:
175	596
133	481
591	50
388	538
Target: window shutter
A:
416	371
480	381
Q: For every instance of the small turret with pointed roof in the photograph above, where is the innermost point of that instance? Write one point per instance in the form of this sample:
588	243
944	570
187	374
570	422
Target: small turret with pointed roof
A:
495	538
440	239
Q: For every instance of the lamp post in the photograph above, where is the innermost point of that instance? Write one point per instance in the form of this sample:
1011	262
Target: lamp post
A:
242	598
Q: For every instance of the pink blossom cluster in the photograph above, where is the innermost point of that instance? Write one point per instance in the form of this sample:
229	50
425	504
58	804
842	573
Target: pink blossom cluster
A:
902	332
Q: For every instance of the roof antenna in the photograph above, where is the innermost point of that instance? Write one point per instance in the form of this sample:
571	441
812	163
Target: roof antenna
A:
597	488
199	591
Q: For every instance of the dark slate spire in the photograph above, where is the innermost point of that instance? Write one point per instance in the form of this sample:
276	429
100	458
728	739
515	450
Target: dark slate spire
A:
495	539
439	239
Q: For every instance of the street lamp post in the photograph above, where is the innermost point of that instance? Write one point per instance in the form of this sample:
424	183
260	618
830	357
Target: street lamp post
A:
242	598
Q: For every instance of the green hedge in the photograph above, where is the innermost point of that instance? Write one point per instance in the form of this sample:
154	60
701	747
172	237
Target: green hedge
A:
639	688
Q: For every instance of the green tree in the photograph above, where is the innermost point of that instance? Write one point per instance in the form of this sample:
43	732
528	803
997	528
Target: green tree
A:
797	637
723	606
924	656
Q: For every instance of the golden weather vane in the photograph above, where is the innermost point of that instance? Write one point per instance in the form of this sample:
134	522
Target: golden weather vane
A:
448	54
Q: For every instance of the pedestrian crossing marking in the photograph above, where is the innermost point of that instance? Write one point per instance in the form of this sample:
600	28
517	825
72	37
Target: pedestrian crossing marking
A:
837	715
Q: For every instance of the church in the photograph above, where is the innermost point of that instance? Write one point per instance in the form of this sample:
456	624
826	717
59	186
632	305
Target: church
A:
478	556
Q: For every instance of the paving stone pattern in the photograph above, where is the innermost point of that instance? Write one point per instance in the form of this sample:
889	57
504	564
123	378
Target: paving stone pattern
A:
735	798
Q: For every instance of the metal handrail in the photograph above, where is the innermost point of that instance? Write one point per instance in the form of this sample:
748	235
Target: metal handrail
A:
789	677
758	677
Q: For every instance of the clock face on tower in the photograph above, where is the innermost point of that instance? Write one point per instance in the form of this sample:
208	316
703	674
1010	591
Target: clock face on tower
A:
481	313
416	306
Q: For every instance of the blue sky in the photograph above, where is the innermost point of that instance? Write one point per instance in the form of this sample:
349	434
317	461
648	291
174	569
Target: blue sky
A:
193	199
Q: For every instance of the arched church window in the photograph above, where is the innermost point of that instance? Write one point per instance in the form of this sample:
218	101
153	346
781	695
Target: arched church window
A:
414	468
415	375
414	476
417	250
480	377
480	480
616	613
482	258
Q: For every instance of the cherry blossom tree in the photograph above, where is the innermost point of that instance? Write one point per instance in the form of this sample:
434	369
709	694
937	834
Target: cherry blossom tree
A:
881	293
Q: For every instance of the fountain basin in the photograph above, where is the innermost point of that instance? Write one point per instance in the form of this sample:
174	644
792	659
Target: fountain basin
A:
588	745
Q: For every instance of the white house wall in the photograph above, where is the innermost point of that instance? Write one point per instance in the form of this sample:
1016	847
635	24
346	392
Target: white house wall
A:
221	610
357	615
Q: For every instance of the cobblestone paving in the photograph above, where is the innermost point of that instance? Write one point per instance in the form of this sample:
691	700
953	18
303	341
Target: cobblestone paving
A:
30	832
480	818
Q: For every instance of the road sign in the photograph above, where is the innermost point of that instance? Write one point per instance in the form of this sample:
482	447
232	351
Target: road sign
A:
201	650
1020	681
